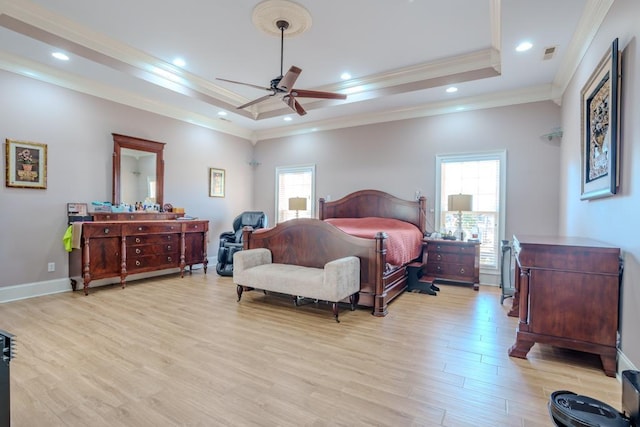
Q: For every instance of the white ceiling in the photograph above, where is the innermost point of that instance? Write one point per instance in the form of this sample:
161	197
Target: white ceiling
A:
402	55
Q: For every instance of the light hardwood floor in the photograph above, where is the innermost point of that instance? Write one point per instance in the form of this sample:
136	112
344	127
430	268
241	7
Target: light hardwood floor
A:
182	352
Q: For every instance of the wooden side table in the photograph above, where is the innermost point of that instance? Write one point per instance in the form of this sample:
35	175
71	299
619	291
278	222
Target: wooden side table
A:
452	261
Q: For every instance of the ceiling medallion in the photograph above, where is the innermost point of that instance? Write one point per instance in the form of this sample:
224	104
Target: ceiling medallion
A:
266	14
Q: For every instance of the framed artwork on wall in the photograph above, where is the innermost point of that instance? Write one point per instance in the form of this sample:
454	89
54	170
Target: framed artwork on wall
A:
26	164
600	118
216	182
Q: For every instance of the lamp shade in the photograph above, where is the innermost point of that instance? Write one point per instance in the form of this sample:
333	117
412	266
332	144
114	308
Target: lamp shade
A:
461	202
297	204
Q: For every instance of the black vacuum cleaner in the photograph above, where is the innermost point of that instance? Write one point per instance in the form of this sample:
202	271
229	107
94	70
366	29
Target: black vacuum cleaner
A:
568	409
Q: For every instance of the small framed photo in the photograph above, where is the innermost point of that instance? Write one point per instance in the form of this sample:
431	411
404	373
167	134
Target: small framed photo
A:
600	116
26	164
216	182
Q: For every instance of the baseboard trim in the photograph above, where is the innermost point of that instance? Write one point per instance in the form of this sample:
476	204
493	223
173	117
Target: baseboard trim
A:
624	364
31	290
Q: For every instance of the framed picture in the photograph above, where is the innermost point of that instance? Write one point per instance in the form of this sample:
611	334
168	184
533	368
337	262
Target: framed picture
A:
26	164
600	118
216	182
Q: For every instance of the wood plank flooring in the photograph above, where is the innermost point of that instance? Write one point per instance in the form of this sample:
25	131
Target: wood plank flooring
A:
182	352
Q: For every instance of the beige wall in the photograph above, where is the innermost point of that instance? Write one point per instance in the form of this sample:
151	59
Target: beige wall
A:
399	157
77	130
613	219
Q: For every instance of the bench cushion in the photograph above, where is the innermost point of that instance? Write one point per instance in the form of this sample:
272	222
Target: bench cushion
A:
283	278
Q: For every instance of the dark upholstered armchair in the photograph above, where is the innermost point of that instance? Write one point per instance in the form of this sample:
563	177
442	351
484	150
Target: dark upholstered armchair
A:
231	241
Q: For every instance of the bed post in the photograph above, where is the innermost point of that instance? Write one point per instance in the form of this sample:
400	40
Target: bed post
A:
321	208
380	297
246	236
423	214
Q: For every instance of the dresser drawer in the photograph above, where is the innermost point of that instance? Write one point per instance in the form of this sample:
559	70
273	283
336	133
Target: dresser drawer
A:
194	227
147	239
101	230
151	228
152	262
155	249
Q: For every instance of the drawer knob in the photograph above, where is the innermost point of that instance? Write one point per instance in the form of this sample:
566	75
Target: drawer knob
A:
138	251
137	240
438	268
439	257
169	258
438	247
168	247
138	262
139	228
106	231
462	271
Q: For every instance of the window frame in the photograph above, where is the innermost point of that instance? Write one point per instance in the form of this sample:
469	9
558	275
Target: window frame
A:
280	170
501	156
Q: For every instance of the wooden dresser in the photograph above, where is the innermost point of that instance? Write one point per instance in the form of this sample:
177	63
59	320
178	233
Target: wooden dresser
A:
452	260
121	247
567	294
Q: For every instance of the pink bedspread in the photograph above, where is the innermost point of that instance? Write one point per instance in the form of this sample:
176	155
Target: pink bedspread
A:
403	244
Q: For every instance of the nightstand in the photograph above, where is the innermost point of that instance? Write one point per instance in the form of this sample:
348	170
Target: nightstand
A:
452	261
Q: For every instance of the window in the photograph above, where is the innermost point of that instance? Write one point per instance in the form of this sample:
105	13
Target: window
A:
296	181
482	176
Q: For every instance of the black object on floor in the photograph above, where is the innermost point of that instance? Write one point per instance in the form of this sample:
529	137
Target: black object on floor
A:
568	409
7	344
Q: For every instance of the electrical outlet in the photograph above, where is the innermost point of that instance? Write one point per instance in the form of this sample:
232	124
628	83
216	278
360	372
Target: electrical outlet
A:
51	266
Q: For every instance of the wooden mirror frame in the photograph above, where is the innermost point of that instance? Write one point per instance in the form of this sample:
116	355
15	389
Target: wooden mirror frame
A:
123	141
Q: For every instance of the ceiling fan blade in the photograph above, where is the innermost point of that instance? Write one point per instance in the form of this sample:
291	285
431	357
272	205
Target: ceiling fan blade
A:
246	84
303	93
294	105
289	79
255	101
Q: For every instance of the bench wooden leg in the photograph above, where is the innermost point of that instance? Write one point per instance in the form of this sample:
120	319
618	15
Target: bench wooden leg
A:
335	311
239	290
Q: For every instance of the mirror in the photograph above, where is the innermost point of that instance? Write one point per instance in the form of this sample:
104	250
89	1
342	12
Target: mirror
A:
138	170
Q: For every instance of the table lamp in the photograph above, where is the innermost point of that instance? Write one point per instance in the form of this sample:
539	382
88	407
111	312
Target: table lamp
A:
297	204
460	203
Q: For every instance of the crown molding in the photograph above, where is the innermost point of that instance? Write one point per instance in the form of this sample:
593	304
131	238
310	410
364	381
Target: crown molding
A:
594	13
498	99
56	77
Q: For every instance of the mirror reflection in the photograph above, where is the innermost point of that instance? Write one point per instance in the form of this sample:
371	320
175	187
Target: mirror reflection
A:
137	176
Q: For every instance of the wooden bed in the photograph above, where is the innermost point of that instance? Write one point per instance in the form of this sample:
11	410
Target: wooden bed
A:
312	242
378	291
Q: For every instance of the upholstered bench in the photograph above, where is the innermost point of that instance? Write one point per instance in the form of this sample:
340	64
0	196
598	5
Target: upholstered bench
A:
338	280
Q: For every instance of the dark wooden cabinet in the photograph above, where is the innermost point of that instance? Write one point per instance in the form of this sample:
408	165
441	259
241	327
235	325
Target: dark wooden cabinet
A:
567	295
119	248
452	260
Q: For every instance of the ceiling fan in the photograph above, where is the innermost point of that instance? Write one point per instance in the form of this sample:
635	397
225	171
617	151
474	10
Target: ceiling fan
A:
283	84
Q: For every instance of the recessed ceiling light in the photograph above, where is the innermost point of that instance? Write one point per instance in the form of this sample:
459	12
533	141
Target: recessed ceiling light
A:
345	76
179	62
524	46
61	56
287	119
452	89
222	113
